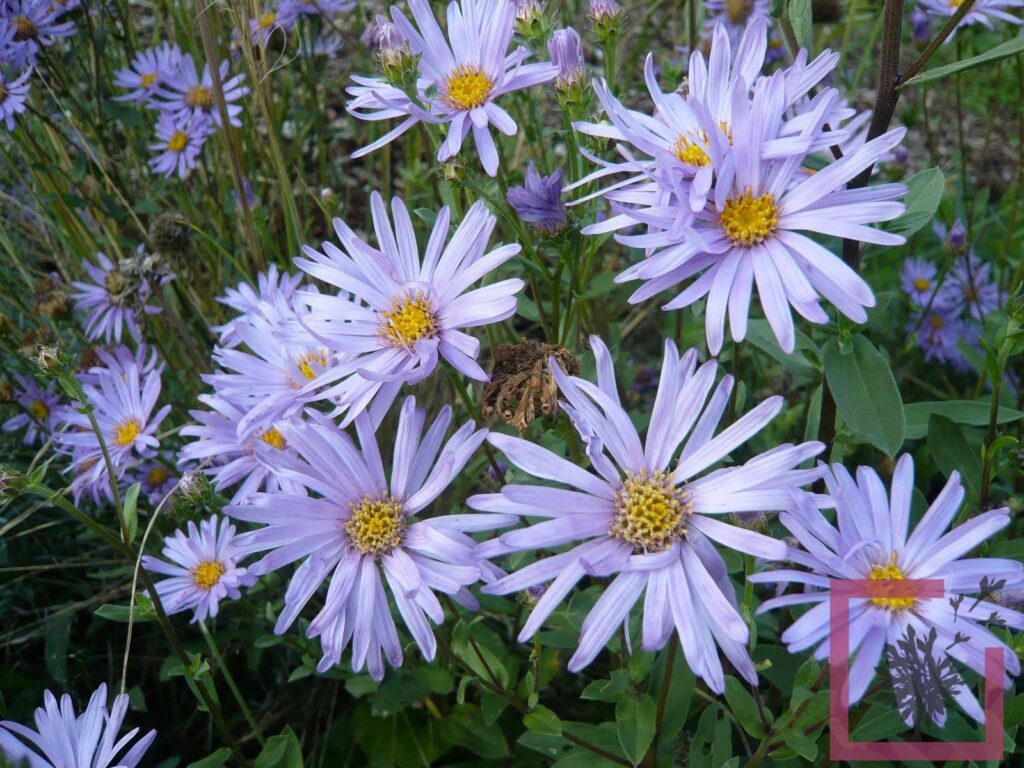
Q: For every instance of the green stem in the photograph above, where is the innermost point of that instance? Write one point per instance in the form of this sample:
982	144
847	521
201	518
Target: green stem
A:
230	680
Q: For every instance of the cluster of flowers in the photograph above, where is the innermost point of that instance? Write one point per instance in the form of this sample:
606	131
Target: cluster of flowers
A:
285	14
167	80
949	310
26	28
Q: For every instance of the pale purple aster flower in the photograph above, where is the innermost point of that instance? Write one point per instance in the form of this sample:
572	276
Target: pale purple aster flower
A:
156	480
982	12
917	280
40	409
751	231
290	11
538	201
938	333
359	532
13	95
734	16
263	26
203	568
121	361
180	139
647	512
64	740
149	70
459	80
971	289
37	25
873	542
245	299
921	26
566	52
236	461
187	94
328	46
107	307
399	312
123	403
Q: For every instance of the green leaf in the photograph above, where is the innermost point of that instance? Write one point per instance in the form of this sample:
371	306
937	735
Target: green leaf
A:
143	611
865	393
611	689
743	706
974	413
465	727
1001	51
634	723
801	744
801	17
281	751
58	633
131	511
924	193
879	723
761	335
952	451
216	760
543	720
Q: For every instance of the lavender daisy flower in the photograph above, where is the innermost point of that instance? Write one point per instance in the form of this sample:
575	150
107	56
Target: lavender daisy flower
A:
41	409
123	403
971	289
734	16
263	26
37	25
13	95
920	24
180	139
186	94
244	299
290	11
872	542
459	80
108	301
157	481
646	514
327	46
120	361
752	229
149	70
982	12
917	279
236	461
938	333
538	201
360	532
62	740
203	568
398	312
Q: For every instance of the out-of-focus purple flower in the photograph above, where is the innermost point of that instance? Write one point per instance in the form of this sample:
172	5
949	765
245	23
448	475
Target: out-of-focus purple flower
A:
37	25
157	481
327	46
180	139
567	54
263	26
900	158
369	37
734	16
937	335
40	409
13	94
645	380
186	93
970	288
203	568
250	196
148	71
289	11
921	26
917	280
957	236
538	201
982	12
108	301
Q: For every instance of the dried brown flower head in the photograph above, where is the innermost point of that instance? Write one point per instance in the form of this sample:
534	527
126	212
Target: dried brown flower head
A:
522	387
51	297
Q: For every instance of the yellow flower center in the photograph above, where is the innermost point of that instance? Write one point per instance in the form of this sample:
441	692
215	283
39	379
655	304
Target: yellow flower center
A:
922	283
690	153
738	10
38	410
148	79
199	96
3	91
749	220
177	142
307	360
126	432
157	476
467	87
650	512
274	438
267	19
375	526
24	28
937	321
890	572
726	130
409	320
954	4
207	574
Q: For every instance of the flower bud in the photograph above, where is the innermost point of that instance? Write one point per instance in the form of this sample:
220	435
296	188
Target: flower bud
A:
528	13
49	359
566	52
956	239
396	58
606	16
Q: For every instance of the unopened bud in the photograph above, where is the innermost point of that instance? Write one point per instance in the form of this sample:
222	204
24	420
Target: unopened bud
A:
566	51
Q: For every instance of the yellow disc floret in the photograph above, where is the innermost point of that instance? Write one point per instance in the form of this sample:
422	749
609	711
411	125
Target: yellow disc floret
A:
690	153
148	78
200	97
888	572
306	361
126	432
177	142
157	476
267	19
748	220
375	526
24	29
274	438
650	512
467	87
39	410
409	320
922	284
206	575
738	11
